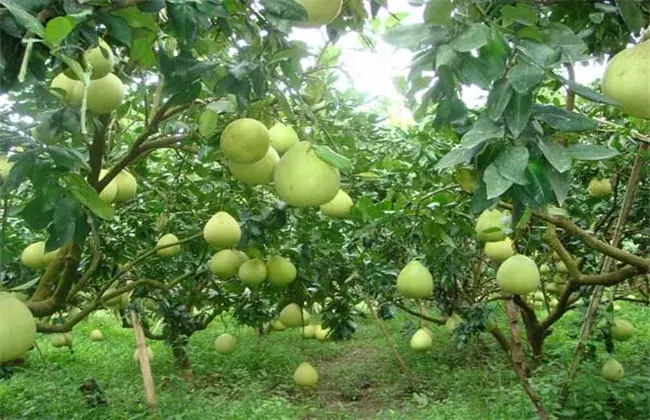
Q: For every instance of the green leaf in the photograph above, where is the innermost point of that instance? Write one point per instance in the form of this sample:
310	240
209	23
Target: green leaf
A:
445	55
64	220
285	9
524	218
482	130
185	20
411	36
495	183
632	14
438	12
518	112
530	32
521	13
333	158
560	184
474	36
556	154
29	21
540	54
572	48
208	122
57	29
498	99
186	96
455	157
141	51
118	27
584	91
591	152
524	77
512	163
86	194
564	120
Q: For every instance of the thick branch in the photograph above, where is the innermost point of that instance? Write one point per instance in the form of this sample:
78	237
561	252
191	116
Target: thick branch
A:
57	300
438	321
44	285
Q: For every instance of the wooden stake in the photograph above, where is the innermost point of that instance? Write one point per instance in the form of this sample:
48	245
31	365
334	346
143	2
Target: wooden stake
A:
143	358
381	326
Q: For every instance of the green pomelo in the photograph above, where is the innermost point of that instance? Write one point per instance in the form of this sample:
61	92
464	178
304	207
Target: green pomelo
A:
170	251
320	12
282	137
302	179
500	250
252	272
225	343
560	267
280	271
96	335
544	269
613	370
105	94
415	281
622	330
224	264
245	140
109	192
5	168
305	375
242	257
17	327
321	333
127	186
73	89
489	226
293	315
276	325
222	230
421	340
598	188
33	255
308	331
518	275
256	173
453	322
61	340
626	80
339	206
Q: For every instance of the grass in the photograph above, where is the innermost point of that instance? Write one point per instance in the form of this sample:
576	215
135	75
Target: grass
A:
358	378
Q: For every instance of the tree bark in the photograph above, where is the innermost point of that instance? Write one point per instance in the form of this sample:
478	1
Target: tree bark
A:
181	359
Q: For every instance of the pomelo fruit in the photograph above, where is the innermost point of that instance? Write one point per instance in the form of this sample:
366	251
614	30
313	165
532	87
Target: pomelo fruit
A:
280	271
252	272
170	251
17	327
466	179
500	250
73	89
109	192
242	257
321	333
302	179
222	230
560	267
96	335
544	269
105	94
320	12
308	331
305	375
119	301
339	206
245	140
622	330
101	59
421	340
225	343
32	255
489	226
127	186
61	340
5	167
453	322
224	264
613	370
626	80
518	275
282	137
256	173
415	281
276	325
293	315
598	188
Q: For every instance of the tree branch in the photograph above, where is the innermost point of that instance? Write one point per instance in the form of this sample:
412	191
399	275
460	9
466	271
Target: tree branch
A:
437	321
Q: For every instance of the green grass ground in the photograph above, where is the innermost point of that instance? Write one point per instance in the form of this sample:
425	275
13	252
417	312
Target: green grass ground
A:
359	379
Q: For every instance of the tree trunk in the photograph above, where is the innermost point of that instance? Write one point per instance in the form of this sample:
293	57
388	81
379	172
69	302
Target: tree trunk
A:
181	359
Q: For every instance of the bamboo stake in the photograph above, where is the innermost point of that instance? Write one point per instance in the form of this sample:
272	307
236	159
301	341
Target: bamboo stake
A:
143	358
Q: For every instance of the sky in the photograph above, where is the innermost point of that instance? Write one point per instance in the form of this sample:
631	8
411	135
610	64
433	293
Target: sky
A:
372	72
